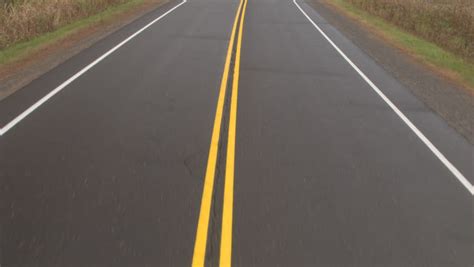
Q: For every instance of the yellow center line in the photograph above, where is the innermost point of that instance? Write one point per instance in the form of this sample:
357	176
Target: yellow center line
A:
227	213
203	222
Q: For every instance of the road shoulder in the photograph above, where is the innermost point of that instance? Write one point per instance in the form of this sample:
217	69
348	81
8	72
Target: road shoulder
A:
448	99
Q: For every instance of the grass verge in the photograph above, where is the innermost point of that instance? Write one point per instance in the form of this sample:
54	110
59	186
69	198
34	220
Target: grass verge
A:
445	62
24	49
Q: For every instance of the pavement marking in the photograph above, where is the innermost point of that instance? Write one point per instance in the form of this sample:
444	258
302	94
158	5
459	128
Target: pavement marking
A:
200	244
36	105
227	210
402	116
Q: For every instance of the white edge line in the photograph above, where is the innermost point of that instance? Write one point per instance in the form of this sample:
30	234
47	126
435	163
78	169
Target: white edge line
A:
420	135
32	108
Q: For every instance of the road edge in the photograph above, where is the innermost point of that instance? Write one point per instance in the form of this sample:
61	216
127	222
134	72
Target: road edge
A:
376	24
446	98
17	74
456	173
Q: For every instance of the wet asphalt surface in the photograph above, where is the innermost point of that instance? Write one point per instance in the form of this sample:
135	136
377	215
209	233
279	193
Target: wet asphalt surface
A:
110	171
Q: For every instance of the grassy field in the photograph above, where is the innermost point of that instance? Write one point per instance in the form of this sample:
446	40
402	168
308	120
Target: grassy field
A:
438	32
28	25
447	23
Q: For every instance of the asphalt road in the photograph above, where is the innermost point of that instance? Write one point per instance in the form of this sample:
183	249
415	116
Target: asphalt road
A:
227	132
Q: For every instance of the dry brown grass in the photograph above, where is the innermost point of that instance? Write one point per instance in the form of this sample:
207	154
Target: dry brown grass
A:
448	23
22	20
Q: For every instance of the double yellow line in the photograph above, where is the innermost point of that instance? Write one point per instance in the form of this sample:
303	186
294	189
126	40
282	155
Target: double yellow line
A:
206	201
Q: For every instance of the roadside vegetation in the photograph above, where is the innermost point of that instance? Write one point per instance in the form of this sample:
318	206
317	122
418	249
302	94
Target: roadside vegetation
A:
27	26
438	32
22	20
447	23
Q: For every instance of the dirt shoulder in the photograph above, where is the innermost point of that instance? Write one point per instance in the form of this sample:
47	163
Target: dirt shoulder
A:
17	74
449	99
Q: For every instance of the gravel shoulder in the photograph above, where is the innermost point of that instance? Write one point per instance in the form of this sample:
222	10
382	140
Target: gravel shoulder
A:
451	101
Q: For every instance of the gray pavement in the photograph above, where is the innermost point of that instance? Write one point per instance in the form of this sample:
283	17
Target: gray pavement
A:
110	171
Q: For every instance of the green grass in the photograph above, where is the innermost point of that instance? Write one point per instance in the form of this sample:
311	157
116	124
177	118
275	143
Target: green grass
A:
420	48
24	49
